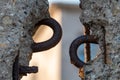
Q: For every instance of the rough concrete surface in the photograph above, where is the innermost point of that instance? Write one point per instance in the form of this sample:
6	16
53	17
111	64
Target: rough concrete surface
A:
17	20
103	18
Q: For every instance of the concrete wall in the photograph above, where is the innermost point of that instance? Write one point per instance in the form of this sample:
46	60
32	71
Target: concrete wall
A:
17	18
102	17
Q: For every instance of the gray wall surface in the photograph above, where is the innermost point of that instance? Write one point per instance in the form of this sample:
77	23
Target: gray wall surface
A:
17	18
102	17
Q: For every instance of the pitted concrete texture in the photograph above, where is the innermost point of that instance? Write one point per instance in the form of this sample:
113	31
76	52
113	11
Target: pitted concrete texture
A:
17	20
103	18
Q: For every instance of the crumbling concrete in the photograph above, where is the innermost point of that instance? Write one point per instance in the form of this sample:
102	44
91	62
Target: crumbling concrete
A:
17	20
103	18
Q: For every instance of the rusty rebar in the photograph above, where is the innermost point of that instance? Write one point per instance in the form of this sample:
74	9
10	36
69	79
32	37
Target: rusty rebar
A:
36	47
87	45
21	70
74	46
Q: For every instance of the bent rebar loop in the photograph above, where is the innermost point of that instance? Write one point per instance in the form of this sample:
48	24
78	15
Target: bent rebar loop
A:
53	41
74	46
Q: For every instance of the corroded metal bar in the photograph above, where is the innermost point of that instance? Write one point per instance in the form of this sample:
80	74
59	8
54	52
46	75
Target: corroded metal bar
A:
26	69
15	71
74	46
36	47
22	70
87	45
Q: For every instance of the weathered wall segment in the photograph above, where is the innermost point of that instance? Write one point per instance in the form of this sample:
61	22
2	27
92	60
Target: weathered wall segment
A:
17	20
103	18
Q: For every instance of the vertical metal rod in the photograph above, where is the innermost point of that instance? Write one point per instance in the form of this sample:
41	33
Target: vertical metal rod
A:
15	72
87	45
104	47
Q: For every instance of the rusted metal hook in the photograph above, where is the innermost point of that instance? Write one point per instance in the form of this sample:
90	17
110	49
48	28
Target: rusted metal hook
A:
74	46
36	47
